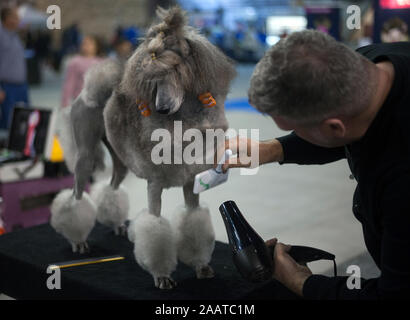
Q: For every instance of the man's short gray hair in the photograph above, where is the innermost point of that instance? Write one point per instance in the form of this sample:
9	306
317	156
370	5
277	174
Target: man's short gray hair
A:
309	76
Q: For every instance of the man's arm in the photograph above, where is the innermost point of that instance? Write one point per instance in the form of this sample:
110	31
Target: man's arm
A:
297	150
286	149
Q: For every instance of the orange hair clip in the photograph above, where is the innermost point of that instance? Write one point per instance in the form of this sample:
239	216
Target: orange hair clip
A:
207	100
143	107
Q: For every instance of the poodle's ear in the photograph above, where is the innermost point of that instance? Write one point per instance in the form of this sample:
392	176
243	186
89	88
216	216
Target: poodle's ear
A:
174	18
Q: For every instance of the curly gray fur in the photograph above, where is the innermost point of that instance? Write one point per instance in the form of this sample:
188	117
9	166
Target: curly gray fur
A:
183	56
168	71
184	59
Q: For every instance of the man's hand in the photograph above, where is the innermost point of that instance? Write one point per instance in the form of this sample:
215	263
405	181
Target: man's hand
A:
2	96
269	151
286	270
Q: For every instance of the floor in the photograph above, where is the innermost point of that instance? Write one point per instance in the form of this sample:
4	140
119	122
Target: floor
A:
305	205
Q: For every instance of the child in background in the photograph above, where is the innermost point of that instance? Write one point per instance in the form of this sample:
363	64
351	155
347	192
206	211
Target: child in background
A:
90	53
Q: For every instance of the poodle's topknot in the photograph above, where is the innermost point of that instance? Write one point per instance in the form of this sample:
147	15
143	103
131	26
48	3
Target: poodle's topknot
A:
174	18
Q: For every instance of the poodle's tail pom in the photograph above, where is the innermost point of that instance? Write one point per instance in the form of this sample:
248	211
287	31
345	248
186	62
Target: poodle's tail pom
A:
112	205
72	218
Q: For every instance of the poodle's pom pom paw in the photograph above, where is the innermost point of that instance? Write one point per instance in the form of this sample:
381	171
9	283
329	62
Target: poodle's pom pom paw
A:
195	238
74	219
165	282
154	247
112	206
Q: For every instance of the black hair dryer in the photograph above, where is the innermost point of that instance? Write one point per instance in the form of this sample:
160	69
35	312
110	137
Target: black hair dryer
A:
251	256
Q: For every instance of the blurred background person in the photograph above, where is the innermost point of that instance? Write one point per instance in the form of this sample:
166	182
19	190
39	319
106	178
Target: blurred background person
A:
394	30
122	49
91	52
70	44
13	70
132	34
71	40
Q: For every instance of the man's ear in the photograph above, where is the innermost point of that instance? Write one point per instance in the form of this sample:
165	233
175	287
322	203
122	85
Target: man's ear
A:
333	127
282	123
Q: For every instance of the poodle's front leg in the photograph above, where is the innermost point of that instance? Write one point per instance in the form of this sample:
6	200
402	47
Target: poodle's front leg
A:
154	244
154	198
191	199
194	234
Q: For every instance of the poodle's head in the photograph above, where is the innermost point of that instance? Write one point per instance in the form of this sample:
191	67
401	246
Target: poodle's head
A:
174	60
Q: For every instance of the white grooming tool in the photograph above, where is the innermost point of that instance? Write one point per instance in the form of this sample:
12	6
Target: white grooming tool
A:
212	177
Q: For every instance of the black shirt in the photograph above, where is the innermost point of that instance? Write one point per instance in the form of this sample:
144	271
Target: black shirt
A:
380	162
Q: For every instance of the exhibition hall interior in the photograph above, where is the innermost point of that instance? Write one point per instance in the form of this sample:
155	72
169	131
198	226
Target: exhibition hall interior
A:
112	171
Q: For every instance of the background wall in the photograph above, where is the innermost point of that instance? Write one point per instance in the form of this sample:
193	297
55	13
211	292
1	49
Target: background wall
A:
100	17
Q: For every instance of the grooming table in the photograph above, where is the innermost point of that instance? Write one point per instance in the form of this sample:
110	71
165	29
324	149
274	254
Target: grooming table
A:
25	255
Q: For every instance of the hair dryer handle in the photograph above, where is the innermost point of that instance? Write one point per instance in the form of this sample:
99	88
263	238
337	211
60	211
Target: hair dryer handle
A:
302	254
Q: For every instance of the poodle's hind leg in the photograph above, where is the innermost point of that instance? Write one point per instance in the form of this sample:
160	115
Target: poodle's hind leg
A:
73	214
88	130
118	175
119	169
154	244
194	234
112	206
112	200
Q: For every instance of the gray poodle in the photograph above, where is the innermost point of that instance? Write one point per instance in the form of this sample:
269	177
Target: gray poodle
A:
174	76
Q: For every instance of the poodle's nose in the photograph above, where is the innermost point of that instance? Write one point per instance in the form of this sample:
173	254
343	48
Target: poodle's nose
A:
163	110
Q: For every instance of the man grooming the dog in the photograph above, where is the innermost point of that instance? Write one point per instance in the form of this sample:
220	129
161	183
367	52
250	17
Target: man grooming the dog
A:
343	104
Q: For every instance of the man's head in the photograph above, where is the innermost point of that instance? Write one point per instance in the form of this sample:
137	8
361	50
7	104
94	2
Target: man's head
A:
312	84
9	18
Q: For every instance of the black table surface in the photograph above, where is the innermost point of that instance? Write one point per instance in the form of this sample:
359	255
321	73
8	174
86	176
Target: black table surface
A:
25	255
